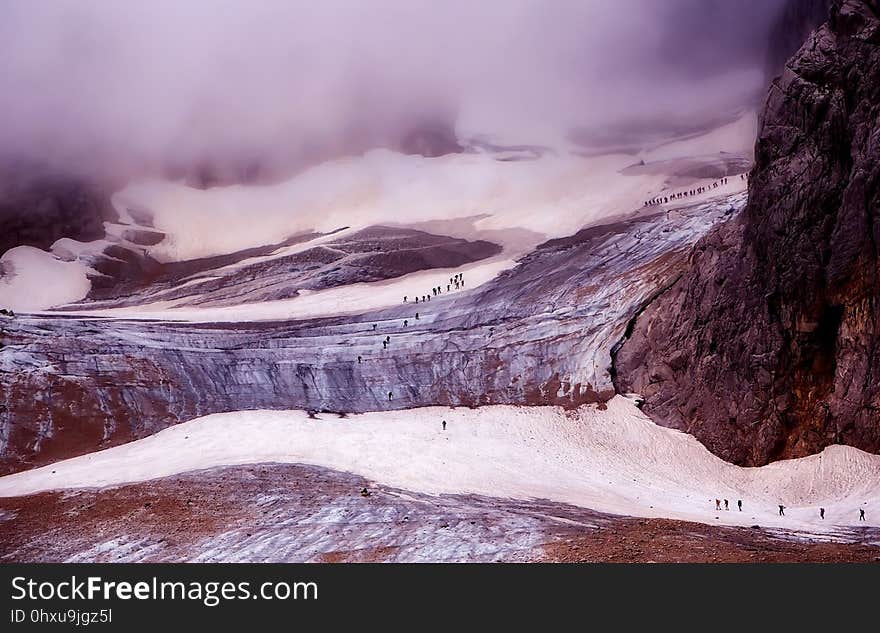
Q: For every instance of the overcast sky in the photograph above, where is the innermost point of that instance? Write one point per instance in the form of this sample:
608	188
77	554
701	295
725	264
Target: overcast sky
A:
104	82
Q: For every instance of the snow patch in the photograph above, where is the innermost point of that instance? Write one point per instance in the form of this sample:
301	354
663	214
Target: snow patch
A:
33	279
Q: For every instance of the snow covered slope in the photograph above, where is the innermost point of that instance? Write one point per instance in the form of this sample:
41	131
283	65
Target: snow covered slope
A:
612	460
33	279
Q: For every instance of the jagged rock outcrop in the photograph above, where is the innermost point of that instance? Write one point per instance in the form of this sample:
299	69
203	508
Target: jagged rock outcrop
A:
768	347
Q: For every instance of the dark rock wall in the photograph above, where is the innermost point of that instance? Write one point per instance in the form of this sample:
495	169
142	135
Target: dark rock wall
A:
38	207
768	347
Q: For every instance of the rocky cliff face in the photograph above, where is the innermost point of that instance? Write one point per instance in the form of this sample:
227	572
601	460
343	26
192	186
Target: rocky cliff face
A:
767	347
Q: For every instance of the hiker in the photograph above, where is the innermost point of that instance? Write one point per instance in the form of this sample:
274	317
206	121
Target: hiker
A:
405	323
417	299
365	493
374	327
417	316
821	513
717	504
861	514
781	510
726	507
739	503
390	395
448	287
384	344
359	360
388	339
404	298
444	425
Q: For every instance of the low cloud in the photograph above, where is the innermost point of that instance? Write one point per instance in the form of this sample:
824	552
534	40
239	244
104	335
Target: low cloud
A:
104	85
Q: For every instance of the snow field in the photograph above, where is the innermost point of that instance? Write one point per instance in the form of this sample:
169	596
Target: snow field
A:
613	460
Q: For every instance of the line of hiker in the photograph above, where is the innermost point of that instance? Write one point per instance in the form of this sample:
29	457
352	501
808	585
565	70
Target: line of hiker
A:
455	282
739	504
679	195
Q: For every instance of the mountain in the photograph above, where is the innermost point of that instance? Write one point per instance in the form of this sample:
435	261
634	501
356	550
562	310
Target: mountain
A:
767	346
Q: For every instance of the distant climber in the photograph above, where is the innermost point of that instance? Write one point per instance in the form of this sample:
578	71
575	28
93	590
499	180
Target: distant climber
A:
717	504
390	396
417	299
384	344
404	298
365	493
739	503
726	507
417	316
448	287
444	425
781	510
821	513
375	326
405	323
359	360
861	514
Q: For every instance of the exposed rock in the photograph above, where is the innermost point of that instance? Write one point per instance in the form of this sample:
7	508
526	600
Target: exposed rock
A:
128	277
768	347
38	207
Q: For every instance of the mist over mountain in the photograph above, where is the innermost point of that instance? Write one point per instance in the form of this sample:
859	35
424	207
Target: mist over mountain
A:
109	88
